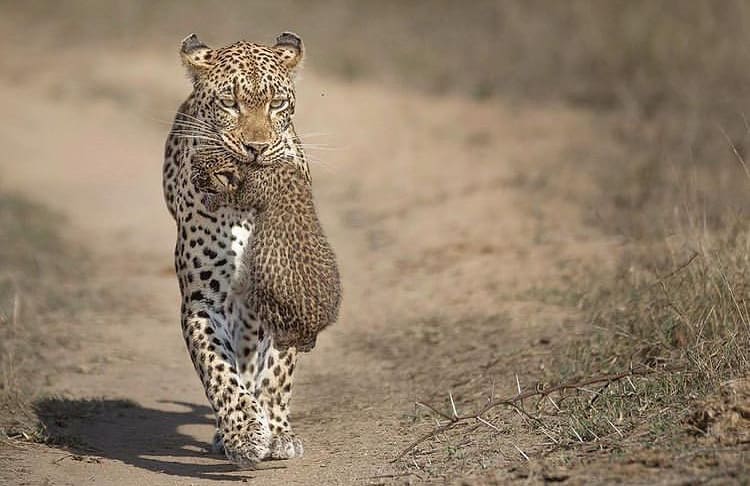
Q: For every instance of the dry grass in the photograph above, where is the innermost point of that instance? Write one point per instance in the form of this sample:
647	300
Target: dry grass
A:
42	289
679	306
675	187
652	377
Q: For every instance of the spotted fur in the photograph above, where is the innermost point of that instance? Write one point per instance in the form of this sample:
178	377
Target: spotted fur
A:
294	285
242	106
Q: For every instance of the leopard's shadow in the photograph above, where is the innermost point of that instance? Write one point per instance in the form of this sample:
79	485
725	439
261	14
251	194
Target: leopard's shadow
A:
147	438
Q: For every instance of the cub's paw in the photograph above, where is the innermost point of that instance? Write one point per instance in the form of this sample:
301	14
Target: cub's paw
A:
244	439
285	445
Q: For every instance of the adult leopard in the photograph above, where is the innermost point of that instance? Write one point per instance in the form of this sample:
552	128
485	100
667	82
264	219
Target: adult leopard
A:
242	104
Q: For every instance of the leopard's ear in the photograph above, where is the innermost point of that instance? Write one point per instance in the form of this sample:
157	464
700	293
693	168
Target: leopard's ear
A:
290	49
196	56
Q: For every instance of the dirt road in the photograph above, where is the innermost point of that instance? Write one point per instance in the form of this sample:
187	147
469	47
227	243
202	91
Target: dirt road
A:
429	202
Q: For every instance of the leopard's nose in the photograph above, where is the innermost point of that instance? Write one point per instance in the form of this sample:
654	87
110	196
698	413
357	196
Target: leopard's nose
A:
255	149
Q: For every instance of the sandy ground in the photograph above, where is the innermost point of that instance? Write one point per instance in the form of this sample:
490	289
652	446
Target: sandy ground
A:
429	203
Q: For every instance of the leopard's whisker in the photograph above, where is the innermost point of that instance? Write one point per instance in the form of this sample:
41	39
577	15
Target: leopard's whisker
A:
170	122
183	131
313	134
177	127
193	124
185	134
212	151
181	126
323	148
198	120
315	161
314	145
210	146
196	137
160	121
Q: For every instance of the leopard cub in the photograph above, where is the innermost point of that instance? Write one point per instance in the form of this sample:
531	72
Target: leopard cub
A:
293	280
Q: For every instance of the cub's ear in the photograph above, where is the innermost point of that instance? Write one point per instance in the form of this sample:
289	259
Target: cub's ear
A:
196	56
290	49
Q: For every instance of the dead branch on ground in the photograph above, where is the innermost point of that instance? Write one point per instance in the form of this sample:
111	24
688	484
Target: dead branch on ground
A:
455	419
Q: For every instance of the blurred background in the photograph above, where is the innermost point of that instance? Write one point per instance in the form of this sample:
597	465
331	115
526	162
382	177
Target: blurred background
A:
526	188
667	73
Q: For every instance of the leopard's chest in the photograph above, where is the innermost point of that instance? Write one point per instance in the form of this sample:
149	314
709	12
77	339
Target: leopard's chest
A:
241	238
210	253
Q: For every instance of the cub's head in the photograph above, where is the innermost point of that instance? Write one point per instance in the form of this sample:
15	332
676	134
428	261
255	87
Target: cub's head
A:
244	97
214	173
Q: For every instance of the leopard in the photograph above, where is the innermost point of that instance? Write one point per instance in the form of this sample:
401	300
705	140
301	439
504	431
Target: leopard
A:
242	104
294	285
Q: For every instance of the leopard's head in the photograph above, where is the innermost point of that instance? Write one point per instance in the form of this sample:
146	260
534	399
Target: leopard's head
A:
243	98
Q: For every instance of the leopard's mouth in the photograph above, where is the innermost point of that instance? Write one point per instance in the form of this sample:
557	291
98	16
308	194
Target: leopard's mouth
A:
234	154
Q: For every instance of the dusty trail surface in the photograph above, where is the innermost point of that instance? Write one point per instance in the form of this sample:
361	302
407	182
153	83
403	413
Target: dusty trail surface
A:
429	203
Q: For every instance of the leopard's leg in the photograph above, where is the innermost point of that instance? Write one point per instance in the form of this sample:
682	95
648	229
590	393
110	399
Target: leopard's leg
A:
245	341
274	380
241	421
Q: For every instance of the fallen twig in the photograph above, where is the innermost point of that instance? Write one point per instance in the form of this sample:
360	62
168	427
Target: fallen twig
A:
433	410
512	402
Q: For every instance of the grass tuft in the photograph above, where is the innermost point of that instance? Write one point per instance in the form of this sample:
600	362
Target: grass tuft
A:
681	307
42	287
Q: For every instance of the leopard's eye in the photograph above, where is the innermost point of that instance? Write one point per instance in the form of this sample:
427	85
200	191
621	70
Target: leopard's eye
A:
279	104
229	103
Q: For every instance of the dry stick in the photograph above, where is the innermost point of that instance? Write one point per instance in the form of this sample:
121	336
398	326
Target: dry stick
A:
511	401
554	404
488	424
16	309
522	452
524	414
453	405
660	279
614	427
389	476
736	152
434	410
598	393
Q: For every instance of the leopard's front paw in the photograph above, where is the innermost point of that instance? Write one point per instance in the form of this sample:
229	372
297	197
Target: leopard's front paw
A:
244	439
285	445
217	445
